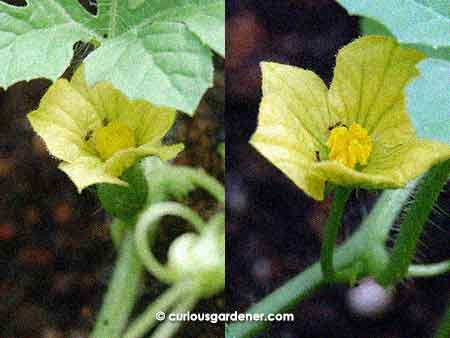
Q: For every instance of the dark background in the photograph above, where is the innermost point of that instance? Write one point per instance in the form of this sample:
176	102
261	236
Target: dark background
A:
56	256
273	229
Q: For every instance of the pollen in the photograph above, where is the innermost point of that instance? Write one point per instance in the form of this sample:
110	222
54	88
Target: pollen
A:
113	137
350	146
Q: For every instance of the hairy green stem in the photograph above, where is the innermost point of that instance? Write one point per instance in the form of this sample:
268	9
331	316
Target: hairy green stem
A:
413	224
123	289
147	320
428	270
374	229
331	232
444	328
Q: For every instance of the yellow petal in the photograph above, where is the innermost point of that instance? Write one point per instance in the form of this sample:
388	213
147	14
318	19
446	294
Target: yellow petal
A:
369	81
165	152
339	174
407	161
123	159
281	138
305	96
387	168
63	120
87	171
98	132
151	123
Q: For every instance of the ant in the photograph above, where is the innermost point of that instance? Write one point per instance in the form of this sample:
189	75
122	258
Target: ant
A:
88	135
338	124
317	155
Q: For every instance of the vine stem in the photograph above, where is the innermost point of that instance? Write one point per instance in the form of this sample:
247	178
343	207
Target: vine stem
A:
169	328
413	224
147	320
331	232
123	290
375	228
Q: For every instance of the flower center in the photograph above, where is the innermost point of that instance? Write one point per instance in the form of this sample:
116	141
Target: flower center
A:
350	146
113	137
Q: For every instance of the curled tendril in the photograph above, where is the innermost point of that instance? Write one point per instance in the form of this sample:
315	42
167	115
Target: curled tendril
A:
195	268
146	229
196	260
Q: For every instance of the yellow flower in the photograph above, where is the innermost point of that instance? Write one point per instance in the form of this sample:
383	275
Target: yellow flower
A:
357	133
97	132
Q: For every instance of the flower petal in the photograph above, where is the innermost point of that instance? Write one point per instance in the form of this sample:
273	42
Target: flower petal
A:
63	119
151	123
121	161
388	168
339	174
87	171
108	101
369	81
407	161
165	152
281	138
305	96
71	112
124	159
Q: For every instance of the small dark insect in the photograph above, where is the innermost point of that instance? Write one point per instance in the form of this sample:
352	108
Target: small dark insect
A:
317	155
105	121
88	135
338	124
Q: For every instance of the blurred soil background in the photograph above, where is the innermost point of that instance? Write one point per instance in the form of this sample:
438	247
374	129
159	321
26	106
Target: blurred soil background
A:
273	229
56	255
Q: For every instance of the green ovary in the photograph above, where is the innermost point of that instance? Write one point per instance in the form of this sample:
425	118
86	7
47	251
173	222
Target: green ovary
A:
112	138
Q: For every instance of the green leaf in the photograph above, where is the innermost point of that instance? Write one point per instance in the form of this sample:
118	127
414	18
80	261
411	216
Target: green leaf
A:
36	40
428	100
133	4
125	202
166	54
372	27
411	21
142	43
150	181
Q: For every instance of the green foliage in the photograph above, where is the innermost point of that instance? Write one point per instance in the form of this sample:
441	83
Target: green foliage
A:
133	4
411	21
430	113
152	180
125	202
372	27
429	100
142	43
36	40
